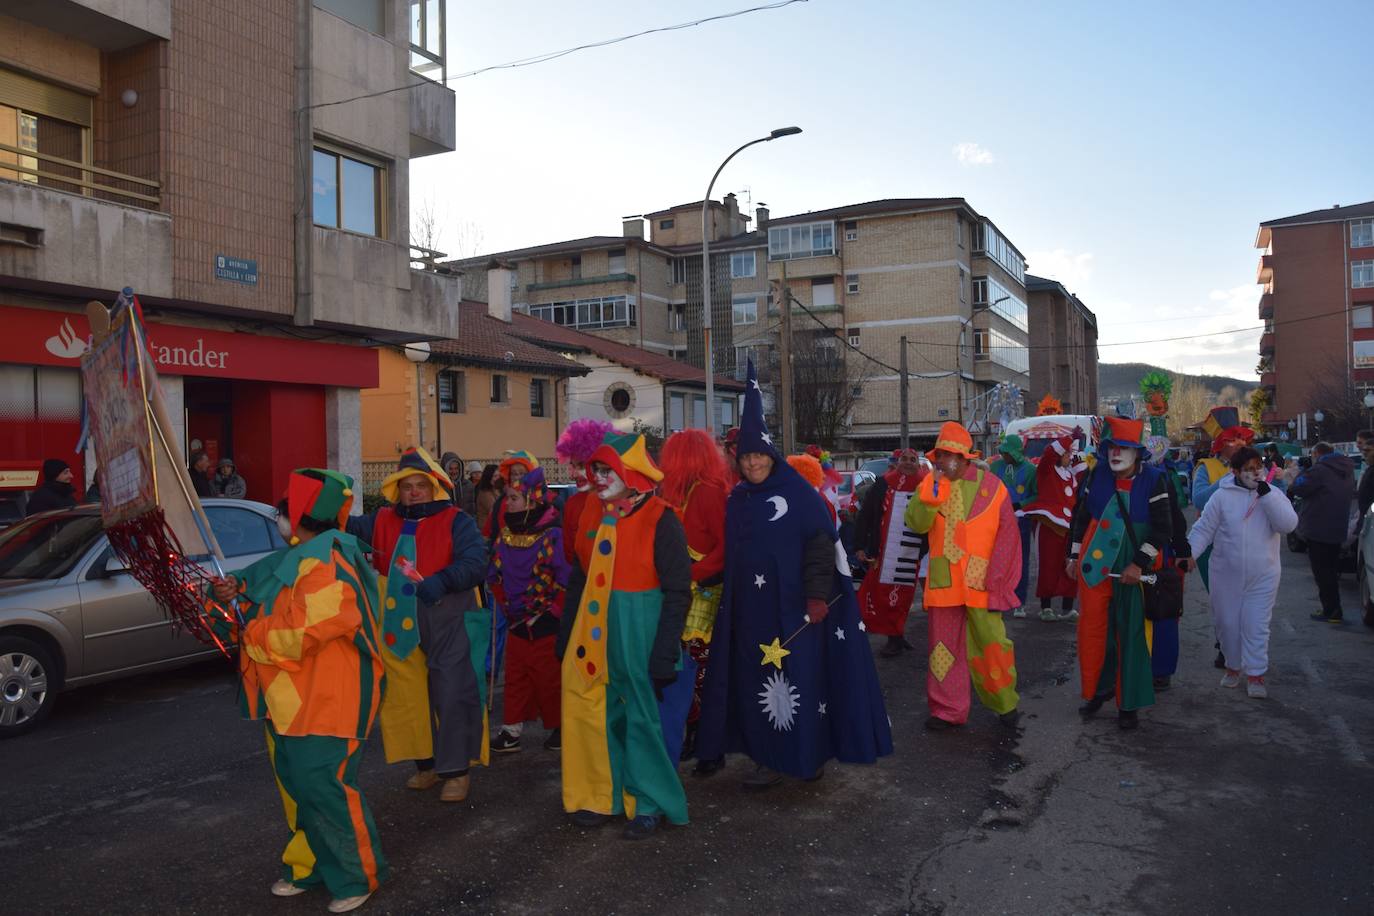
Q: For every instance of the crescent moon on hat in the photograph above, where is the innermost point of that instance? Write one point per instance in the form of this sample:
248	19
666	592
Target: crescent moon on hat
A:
779	507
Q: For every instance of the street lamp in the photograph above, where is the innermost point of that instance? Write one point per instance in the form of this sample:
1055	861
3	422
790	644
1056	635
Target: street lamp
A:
418	353
1369	404
706	275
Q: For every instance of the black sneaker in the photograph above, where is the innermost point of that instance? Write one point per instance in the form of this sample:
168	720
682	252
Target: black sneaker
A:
761	779
1220	660
1127	720
1011	719
1162	683
505	742
585	818
708	767
1321	616
554	742
936	724
893	647
1091	707
1338	617
641	827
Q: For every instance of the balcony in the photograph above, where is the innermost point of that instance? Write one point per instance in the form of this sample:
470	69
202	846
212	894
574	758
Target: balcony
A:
1265	272
87	238
1266	343
1268	379
1266	306
819	265
579	281
433	120
1270	418
368	283
110	25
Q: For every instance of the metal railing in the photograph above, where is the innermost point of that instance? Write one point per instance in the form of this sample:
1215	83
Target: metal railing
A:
150	191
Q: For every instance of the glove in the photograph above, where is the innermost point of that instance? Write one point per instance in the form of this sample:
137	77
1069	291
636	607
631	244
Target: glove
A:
1262	488
661	684
431	590
816	609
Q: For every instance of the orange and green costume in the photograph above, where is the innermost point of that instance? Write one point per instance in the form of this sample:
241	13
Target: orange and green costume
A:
975	564
312	670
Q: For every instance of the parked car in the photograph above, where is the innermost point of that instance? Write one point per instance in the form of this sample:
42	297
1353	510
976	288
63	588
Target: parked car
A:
852	484
71	615
1364	566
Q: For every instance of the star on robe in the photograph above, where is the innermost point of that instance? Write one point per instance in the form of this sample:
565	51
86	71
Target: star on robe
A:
754	383
772	654
759	580
839	632
821	709
862	628
766	438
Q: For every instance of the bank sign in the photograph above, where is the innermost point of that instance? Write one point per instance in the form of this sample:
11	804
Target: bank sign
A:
38	337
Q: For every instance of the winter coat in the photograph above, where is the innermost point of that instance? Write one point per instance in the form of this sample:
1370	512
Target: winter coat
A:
52	495
231	487
1327	491
1243	529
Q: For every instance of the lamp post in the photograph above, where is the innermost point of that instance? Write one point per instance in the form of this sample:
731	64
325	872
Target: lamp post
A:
418	353
1369	404
706	275
1317	418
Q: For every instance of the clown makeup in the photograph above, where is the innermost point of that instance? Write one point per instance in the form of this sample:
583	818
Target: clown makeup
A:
1121	459
579	476
415	489
755	467
1250	474
950	465
607	483
908	463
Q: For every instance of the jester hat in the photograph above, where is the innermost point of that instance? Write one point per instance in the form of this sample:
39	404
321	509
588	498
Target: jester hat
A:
323	495
1123	433
514	457
627	455
416	461
955	439
532	487
1232	434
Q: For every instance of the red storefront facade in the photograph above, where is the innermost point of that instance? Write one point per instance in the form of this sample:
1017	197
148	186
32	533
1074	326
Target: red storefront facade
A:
257	398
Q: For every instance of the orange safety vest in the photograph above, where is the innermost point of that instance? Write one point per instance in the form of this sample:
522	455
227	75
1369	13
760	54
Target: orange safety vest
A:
975	535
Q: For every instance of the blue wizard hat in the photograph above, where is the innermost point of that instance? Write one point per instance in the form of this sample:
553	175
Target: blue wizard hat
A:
753	431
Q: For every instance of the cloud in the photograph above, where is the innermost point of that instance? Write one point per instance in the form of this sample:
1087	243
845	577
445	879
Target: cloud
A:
1073	269
972	154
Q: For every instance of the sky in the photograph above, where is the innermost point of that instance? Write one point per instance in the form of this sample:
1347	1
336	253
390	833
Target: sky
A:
1129	151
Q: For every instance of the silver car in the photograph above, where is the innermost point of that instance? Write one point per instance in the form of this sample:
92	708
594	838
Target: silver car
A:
71	615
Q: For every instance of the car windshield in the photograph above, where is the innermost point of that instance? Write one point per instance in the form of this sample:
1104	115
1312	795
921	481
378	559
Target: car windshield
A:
46	546
847	485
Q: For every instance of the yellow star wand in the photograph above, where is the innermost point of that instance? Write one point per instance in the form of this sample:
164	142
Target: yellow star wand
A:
773	652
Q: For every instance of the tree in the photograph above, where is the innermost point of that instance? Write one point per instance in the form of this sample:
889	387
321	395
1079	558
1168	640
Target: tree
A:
1259	403
1188	406
1342	407
824	388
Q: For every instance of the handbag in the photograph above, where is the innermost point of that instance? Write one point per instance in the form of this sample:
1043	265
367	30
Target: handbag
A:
1164	599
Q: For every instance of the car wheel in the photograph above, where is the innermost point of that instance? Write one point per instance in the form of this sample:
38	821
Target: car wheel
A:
28	685
1295	543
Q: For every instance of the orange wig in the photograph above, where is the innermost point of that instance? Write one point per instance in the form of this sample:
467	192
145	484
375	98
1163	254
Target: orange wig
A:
689	457
809	468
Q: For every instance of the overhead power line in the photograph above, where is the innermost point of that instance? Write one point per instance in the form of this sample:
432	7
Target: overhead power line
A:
555	55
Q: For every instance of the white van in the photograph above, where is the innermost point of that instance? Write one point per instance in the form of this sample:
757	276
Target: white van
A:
1038	432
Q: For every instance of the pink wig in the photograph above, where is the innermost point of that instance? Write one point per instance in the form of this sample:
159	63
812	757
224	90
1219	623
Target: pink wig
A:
580	438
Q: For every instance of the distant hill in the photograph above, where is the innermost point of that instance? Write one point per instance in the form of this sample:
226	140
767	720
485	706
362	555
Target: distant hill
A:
1117	380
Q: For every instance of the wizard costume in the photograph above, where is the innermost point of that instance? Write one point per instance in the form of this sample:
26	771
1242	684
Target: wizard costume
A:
1113	657
528	575
788	693
975	563
311	668
433	629
620	644
1019	476
889	586
1056	494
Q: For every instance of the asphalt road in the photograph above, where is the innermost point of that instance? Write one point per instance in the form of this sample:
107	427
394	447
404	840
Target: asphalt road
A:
150	795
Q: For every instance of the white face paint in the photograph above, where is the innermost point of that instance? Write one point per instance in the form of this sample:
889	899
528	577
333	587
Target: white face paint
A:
609	487
284	527
1250	479
1121	459
580	477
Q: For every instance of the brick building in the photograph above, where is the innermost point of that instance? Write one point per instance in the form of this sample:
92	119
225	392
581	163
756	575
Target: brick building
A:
1317	304
1063	346
175	148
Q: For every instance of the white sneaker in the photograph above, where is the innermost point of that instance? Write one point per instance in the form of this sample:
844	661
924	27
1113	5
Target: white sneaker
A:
1230	678
283	888
1255	688
1070	614
347	904
1048	615
1019	613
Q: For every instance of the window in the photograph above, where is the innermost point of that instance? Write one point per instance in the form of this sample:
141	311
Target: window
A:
452	392
677	409
963	294
240	532
822	293
746	309
575	267
851	230
348	193
854	336
742	265
959	231
50	122
989	241
500	389
989	294
1362	316
727	414
620	400
827	350
665	224
980	344
1361	233
594	314
679	267
1361	274
537	387
677	317
427	38
616	263
366	14
851	284
808	240
699	416
742	357
991	344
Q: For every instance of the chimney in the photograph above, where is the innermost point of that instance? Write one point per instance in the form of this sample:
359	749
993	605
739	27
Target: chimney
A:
733	224
633	227
500	277
761	217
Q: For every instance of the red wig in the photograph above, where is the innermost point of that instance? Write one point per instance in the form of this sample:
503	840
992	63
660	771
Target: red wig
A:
687	457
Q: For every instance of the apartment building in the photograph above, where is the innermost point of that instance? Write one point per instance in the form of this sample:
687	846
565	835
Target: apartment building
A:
1316	270
242	173
1063	346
